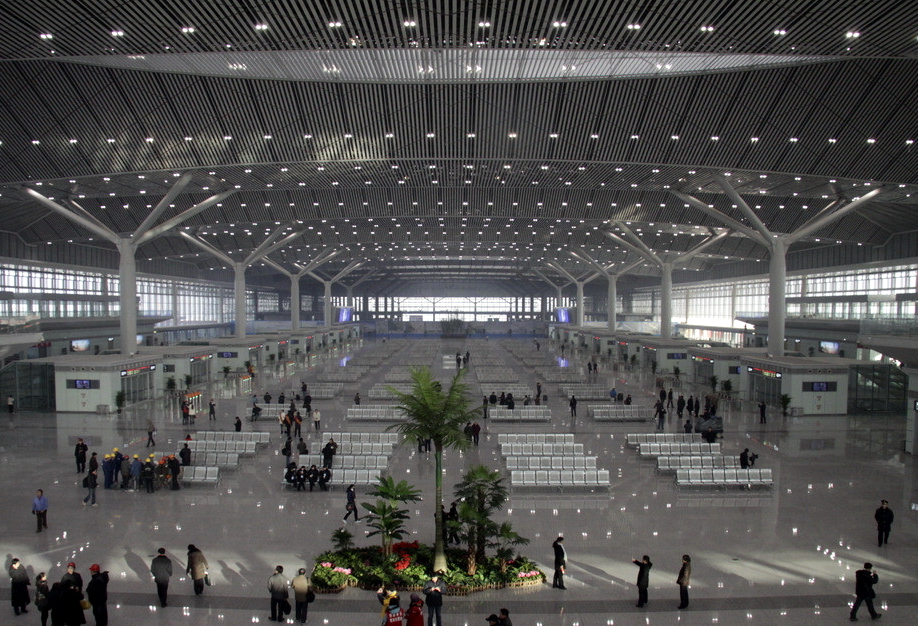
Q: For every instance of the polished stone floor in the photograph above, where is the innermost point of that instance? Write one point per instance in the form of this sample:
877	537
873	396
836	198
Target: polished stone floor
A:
783	556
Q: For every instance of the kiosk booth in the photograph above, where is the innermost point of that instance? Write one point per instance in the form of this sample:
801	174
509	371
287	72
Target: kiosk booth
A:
179	362
816	386
90	383
725	363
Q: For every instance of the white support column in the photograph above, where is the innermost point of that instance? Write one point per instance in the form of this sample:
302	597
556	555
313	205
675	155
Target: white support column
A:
611	304
579	303
127	276
294	301
327	305
239	298
666	300
777	277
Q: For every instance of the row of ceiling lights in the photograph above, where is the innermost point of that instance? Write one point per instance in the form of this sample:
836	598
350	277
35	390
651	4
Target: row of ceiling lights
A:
471	135
412	23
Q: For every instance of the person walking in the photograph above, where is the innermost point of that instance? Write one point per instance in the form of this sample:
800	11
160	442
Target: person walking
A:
91	481
643	579
573	405
278	586
660	412
161	569
212	410
79	453
560	563
762	409
196	568
685	574
317	419
884	517
10	404
302	595
351	506
19	582
238	424
40	510
433	591
97	594
864	580
151	430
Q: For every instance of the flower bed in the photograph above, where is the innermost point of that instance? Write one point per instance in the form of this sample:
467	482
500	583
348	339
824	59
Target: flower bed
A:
409	567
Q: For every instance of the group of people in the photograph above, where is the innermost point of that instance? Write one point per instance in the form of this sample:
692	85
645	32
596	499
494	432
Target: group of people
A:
394	615
505	400
63	601
279	588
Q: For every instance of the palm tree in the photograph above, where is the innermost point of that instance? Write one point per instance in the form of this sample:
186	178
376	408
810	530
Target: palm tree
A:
431	413
506	540
483	492
386	518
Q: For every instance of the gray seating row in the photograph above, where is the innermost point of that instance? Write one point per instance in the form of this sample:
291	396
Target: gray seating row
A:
392	438
541	449
635	439
200	475
677	449
223	460
724	477
258	436
535	438
551	462
559	478
379	413
584	391
520	414
692	461
242	448
346	461
618	412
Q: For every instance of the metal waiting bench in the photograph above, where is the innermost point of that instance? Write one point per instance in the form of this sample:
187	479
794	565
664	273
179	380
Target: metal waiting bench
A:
200	475
689	461
559	479
520	414
635	439
678	449
618	413
541	449
535	438
551	462
724	477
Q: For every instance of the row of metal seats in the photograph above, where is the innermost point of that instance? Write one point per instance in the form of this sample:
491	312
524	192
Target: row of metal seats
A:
382	413
223	460
324	391
584	391
724	477
244	448
392	438
541	449
635	439
355	476
677	449
347	461
381	391
200	475
618	412
258	436
559	478
521	414
535	438
359	447
551	462
691	461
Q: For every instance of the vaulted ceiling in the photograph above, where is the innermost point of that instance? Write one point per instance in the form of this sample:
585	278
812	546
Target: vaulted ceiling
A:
438	142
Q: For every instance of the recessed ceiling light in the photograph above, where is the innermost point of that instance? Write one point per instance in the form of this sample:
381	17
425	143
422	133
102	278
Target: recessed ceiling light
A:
117	33
484	24
334	24
707	29
187	29
46	36
780	32
261	27
852	34
409	23
559	24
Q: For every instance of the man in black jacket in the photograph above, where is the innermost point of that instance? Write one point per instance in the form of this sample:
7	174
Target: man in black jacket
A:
560	563
643	578
79	452
161	568
884	517
97	594
864	580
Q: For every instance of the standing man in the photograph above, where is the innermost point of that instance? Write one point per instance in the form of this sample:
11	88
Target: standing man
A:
573	405
197	568
97	594
40	510
302	595
238	424
680	406
10	406
317	419
433	591
90	482
685	573
660	412
864	580
560	563
643	579
79	452
212	410
884	517
277	586
19	580
161	568
762	408
185	455
329	452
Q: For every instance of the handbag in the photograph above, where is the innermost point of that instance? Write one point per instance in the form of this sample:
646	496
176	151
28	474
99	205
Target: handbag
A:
85	605
207	579
285	607
310	596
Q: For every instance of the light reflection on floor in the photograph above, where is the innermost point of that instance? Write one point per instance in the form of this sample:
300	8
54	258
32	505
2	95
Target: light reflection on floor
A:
787	555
